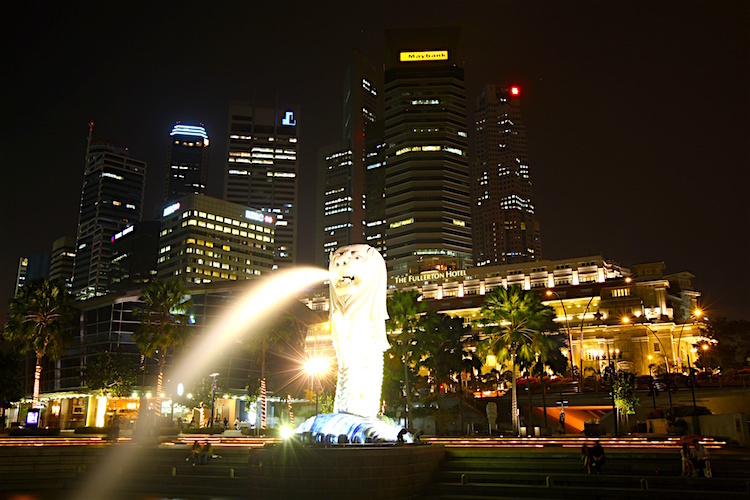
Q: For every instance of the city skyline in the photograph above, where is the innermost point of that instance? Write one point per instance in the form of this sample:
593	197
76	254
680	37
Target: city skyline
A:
637	115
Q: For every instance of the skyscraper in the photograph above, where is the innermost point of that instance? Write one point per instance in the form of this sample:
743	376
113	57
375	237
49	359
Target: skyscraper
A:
63	256
262	169
504	226
427	172
341	166
187	161
111	199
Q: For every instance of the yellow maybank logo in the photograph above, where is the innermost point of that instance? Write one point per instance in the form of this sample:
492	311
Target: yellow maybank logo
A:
425	55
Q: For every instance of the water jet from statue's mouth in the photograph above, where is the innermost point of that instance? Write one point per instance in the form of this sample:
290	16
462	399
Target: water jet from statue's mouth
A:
345	281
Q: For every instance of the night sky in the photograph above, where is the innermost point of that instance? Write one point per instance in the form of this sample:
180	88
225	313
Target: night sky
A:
637	113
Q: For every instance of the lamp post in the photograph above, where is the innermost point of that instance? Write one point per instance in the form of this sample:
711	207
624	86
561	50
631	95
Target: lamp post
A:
213	395
696	419
550	293
651	380
580	347
611	357
315	367
697	313
626	320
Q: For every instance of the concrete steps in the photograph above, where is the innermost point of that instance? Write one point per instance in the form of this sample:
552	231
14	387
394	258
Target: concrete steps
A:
543	473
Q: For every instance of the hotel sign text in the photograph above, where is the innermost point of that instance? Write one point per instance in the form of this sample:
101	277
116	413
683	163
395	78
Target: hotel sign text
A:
424	55
428	276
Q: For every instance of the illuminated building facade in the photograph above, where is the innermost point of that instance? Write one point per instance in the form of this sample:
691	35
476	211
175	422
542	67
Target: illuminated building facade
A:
107	325
427	205
504	226
375	221
262	169
335	163
63	256
341	166
642	315
205	239
187	161
111	200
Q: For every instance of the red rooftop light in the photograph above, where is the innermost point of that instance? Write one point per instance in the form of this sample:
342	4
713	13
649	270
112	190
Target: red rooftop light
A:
515	90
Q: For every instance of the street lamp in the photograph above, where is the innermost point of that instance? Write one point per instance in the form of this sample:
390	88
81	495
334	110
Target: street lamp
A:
696	419
213	394
651	379
626	320
580	347
612	355
697	313
315	367
550	293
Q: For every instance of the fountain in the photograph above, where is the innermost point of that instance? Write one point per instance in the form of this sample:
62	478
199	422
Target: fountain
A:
357	277
358	280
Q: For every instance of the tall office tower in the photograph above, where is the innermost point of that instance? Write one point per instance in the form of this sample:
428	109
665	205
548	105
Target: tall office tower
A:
504	227
187	161
375	222
262	169
111	200
34	266
63	255
427	203
135	251
205	239
341	166
335	172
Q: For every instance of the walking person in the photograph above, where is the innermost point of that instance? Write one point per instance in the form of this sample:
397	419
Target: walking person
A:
702	460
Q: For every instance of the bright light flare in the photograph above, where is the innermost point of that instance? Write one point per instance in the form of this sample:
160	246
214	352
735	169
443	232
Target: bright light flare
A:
514	90
286	432
264	297
317	366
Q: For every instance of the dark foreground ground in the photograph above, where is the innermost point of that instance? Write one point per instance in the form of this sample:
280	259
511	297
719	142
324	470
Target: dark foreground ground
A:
472	468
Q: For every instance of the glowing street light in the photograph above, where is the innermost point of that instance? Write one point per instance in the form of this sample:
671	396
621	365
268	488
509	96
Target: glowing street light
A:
550	293
213	394
315	368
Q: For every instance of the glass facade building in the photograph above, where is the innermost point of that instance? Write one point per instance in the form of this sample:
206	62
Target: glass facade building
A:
111	200
427	205
262	169
504	224
187	161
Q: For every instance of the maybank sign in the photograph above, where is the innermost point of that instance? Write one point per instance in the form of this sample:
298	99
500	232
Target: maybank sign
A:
428	276
424	55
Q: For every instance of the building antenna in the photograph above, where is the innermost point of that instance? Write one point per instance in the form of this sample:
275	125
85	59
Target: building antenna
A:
88	144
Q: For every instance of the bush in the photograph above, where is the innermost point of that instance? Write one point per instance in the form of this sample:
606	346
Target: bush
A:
247	431
169	431
34	431
92	430
203	430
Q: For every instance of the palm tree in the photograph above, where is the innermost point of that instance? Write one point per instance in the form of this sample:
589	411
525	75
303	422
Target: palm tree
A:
285	333
404	311
515	318
39	318
441	347
163	319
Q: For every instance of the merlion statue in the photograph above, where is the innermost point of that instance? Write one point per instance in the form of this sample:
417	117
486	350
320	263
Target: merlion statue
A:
358	282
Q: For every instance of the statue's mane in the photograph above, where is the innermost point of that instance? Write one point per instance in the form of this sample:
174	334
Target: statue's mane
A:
370	303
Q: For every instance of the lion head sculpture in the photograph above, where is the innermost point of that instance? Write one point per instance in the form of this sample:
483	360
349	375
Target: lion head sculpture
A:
358	281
